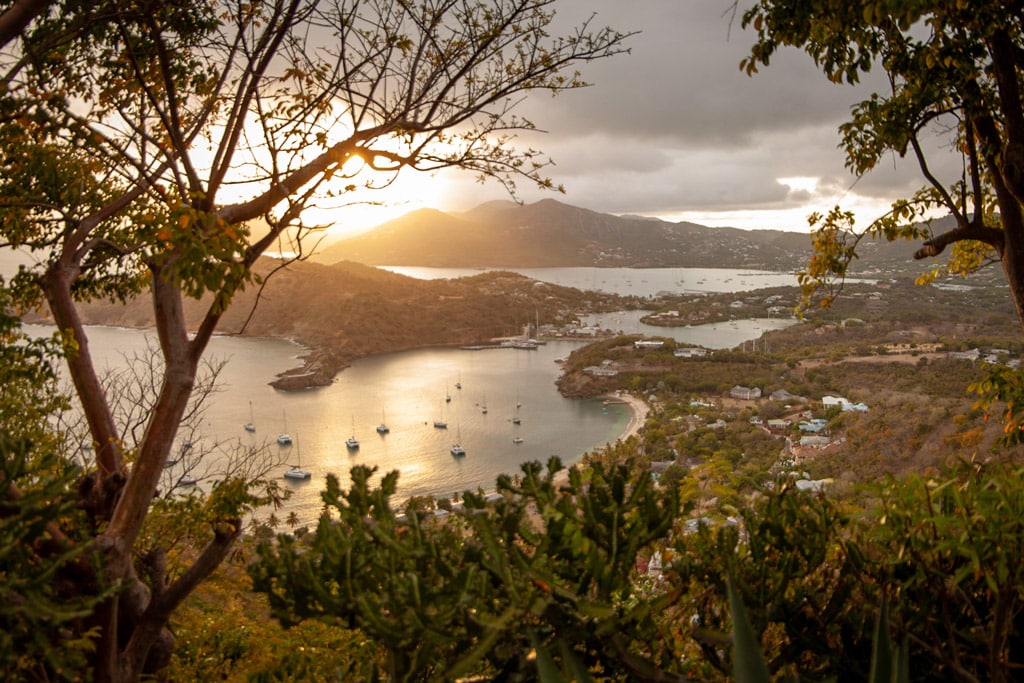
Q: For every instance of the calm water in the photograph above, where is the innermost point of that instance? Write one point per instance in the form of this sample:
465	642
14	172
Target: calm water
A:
721	335
644	282
408	390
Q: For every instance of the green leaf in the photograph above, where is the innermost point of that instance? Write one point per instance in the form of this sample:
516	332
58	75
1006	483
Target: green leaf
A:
747	663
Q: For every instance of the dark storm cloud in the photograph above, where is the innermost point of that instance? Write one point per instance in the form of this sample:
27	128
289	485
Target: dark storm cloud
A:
676	127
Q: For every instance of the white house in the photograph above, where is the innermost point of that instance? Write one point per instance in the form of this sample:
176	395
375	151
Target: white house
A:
745	393
833	401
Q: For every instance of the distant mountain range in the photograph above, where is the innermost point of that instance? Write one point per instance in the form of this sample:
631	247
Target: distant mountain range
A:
548	233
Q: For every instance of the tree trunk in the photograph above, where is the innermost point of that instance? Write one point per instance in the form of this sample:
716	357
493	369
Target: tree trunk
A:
133	621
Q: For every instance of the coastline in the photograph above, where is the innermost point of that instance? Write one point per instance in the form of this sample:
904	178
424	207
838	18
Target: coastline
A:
638	416
639	409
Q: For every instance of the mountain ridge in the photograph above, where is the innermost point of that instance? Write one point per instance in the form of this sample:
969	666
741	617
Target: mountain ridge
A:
549	233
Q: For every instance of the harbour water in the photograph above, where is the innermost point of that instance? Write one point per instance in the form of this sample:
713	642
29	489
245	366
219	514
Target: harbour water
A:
644	282
409	391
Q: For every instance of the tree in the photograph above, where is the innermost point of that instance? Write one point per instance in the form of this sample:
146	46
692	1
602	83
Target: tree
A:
954	70
164	147
37	612
539	584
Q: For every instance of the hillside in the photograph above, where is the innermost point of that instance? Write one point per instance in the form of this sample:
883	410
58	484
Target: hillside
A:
549	233
348	310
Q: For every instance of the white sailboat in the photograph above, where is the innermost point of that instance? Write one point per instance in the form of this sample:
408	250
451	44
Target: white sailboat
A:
250	426
457	450
284	439
351	442
458	383
439	423
383	428
295	471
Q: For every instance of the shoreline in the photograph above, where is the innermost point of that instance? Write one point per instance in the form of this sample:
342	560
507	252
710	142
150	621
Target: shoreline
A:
638	416
639	409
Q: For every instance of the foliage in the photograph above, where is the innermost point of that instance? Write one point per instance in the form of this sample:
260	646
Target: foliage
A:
934	556
796	573
1005	386
946	551
537	584
40	613
225	632
953	70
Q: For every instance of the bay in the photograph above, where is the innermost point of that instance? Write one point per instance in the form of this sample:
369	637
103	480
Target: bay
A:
720	335
644	282
408	390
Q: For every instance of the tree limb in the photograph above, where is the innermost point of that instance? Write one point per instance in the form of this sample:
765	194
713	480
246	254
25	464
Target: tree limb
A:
16	17
164	602
965	231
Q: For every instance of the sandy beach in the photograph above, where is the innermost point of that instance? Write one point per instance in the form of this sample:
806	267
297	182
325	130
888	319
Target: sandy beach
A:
638	408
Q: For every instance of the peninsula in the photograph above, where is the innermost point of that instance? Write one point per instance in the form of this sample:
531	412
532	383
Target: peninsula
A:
346	311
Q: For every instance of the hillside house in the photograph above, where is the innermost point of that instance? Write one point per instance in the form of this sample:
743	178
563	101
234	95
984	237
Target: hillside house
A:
813	426
648	344
833	402
690	352
745	393
845	405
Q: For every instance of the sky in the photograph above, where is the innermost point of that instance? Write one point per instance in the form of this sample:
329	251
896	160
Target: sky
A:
675	130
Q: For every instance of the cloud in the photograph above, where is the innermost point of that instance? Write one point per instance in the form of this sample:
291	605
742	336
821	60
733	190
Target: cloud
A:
675	129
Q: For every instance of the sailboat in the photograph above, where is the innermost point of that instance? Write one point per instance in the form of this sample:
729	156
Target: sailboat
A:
439	422
296	471
250	426
382	428
447	394
515	418
458	384
457	450
351	442
483	408
284	439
